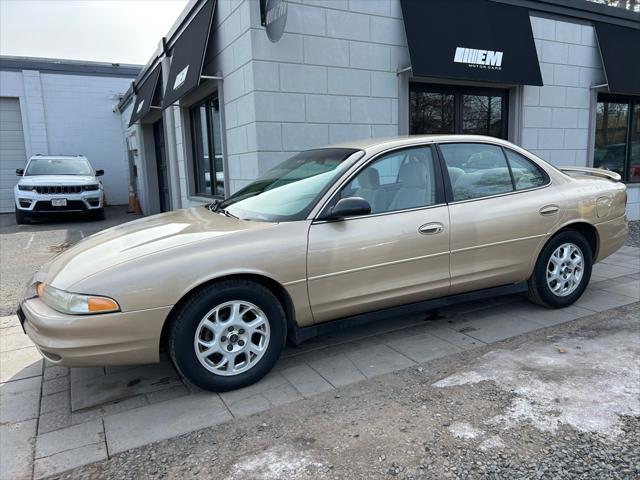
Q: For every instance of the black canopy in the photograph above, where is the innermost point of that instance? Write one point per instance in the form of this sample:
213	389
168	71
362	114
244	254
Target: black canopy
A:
620	51
471	40
187	55
148	92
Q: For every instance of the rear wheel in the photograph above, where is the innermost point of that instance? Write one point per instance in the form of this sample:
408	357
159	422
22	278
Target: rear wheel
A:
562	271
228	335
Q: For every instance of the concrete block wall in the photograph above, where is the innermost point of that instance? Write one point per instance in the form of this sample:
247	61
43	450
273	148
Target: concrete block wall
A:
330	78
556	116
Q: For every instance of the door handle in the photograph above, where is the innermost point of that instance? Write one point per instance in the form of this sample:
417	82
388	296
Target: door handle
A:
549	210
431	228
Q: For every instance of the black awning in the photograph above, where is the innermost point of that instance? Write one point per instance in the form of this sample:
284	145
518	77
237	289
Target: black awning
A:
620	51
471	40
147	93
187	55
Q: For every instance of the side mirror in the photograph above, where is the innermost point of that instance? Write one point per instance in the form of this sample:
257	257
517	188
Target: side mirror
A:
349	207
19	172
99	173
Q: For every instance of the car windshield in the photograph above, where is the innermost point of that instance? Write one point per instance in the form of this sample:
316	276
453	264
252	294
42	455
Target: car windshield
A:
59	166
289	191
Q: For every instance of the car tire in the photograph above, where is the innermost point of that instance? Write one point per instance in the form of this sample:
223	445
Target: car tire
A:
218	350
21	218
96	214
562	271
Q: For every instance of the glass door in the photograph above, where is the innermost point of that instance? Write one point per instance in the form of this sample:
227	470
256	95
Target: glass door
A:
437	109
207	148
617	136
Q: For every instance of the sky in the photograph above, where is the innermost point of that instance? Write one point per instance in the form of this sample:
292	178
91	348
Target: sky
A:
115	31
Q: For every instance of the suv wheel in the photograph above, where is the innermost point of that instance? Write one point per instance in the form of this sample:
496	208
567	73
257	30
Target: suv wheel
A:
562	271
21	218
228	335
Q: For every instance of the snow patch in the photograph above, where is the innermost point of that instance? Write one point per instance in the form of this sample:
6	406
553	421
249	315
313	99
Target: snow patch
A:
492	443
273	464
464	430
584	382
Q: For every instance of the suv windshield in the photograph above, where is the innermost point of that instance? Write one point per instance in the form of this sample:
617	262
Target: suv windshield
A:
289	191
58	166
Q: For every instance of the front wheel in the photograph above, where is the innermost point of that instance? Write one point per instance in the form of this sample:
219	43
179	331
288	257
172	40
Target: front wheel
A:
21	218
562	271
228	335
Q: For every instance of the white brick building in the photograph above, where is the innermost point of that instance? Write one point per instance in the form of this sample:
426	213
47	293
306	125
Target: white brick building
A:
62	107
343	69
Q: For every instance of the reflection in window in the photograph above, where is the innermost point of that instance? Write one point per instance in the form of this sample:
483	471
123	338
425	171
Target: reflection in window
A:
611	136
482	115
617	135
431	112
208	168
440	109
476	170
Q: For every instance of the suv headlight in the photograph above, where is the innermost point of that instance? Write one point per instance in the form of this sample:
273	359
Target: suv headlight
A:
75	303
91	187
26	188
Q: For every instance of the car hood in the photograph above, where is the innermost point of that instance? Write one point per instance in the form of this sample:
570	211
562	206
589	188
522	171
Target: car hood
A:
57	180
158	234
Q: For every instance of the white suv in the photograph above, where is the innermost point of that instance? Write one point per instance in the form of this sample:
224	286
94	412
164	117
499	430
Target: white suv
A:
53	184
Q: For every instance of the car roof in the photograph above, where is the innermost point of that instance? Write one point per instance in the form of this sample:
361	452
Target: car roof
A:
408	140
58	157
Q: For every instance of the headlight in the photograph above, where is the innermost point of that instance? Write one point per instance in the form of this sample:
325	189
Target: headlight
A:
91	187
26	188
75	303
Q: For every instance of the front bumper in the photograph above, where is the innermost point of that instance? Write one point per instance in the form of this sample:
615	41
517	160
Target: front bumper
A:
119	338
32	202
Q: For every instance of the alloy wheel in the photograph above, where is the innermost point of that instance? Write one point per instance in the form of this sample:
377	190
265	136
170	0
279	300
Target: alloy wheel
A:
232	338
565	269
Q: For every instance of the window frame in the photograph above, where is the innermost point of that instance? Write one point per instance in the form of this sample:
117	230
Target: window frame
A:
193	111
341	183
448	187
458	92
631	101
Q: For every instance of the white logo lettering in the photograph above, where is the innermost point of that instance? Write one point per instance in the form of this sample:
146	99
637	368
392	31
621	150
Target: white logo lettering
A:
139	109
180	78
479	58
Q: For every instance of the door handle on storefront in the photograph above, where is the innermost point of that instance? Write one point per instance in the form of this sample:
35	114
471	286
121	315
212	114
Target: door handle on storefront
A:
431	228
549	210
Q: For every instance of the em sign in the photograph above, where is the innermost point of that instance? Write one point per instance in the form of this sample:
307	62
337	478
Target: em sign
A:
276	18
479	58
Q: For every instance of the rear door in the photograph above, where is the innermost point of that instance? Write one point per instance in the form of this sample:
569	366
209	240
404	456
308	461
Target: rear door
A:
501	208
396	255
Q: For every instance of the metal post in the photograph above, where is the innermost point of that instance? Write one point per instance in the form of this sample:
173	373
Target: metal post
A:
171	147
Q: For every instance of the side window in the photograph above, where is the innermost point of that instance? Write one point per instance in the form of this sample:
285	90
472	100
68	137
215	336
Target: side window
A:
525	173
396	181
476	170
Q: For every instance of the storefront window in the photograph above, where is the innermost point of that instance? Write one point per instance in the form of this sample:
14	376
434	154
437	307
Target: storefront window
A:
482	115
431	112
437	109
617	136
207	148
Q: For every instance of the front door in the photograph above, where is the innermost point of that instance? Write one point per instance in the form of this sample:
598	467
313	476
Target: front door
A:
396	255
161	163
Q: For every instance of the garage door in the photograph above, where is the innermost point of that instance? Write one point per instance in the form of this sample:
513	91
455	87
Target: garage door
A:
12	152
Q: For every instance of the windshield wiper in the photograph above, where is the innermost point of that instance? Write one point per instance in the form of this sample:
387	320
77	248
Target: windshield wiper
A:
215	207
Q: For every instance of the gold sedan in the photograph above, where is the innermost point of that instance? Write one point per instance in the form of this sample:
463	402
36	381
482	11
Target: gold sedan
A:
330	237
